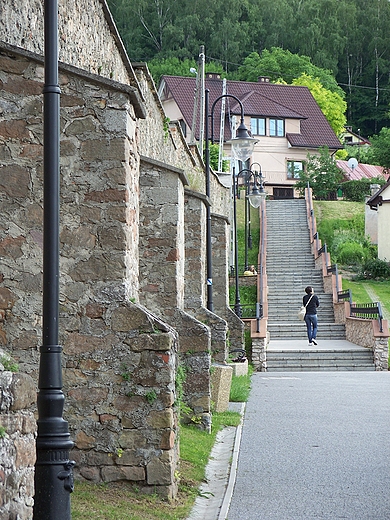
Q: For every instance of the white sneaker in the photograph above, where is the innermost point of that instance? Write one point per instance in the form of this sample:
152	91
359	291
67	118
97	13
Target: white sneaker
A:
310	344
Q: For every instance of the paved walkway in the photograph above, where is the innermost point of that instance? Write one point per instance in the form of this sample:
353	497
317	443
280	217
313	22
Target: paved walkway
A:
313	445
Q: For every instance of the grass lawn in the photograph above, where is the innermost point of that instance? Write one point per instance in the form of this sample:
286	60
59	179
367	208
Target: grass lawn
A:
341	209
360	294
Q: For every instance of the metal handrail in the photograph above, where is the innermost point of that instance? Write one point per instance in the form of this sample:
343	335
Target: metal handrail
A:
249	311
364	310
345	295
311	210
332	269
367	311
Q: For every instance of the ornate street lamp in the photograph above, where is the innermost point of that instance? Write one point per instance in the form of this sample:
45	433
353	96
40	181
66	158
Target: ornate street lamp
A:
255	197
53	469
258	194
242	149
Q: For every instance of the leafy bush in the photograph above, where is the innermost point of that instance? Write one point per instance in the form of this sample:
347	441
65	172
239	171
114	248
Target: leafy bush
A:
358	190
350	253
375	269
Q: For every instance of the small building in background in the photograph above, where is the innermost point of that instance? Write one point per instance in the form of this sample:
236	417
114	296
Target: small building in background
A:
379	202
355	171
350	138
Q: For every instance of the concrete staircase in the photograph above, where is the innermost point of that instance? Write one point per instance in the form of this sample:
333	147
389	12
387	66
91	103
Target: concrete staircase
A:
329	355
290	268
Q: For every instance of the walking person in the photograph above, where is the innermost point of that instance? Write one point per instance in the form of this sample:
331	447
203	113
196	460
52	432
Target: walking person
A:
311	302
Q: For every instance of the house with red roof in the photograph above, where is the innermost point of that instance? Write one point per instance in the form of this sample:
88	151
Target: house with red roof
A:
285	119
355	171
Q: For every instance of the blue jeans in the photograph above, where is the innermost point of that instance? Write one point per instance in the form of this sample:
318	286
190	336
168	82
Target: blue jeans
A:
311	321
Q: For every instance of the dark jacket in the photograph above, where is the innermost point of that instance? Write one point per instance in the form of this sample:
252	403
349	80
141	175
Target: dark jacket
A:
313	304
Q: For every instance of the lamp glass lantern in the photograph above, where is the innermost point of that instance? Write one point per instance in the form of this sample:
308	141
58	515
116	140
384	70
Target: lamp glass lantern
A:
243	144
256	196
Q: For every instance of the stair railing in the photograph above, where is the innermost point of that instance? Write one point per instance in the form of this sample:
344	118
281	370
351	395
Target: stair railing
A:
310	214
345	295
262	293
368	311
333	269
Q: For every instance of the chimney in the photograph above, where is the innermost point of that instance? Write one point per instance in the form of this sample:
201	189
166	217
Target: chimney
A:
212	75
263	79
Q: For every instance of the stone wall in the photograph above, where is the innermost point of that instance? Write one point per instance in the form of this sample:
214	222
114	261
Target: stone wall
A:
119	360
17	442
163	141
99	204
88	38
366	333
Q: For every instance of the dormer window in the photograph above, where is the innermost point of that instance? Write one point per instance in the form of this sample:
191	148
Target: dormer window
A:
276	127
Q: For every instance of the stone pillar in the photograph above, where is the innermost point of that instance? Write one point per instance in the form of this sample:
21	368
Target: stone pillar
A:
221	247
195	288
259	354
163	276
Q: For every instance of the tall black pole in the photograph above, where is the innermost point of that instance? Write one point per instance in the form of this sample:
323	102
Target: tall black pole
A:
209	266
250	241
53	469
237	304
246	222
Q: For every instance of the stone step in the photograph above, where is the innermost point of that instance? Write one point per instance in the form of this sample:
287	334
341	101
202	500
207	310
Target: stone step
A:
324	317
301	360
297	330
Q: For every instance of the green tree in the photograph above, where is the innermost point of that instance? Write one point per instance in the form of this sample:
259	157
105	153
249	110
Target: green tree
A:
322	174
343	43
282	65
331	103
380	148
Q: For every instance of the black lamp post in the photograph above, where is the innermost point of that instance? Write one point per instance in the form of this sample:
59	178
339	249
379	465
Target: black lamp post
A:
242	148
248	207
255	197
53	469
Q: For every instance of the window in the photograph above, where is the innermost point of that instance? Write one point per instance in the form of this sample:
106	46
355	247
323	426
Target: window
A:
294	169
276	127
183	127
258	126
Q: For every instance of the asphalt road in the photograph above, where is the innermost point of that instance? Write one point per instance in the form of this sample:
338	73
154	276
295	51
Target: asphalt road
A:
314	445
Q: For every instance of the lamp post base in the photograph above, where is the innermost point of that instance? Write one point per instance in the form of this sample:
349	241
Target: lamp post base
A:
238	309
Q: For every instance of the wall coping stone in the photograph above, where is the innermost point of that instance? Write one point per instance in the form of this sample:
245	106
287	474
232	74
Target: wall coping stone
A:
167	167
222	217
197	195
134	94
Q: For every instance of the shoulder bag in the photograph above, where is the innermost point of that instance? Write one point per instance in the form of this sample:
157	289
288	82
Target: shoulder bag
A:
302	310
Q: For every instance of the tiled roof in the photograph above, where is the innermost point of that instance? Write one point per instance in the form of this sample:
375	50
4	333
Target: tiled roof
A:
362	171
260	99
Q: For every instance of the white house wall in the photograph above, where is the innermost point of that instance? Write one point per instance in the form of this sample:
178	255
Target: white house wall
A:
384	231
